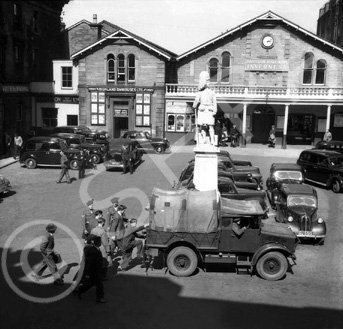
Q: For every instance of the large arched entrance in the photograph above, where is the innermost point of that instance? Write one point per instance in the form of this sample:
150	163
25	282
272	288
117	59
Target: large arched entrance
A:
263	118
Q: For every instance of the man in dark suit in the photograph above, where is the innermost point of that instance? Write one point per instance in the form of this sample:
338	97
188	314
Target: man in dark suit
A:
64	168
92	274
49	256
127	161
87	217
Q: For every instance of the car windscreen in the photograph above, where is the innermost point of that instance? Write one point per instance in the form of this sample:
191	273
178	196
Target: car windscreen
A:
302	200
285	174
336	161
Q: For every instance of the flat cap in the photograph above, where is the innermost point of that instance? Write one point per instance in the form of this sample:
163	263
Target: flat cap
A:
90	202
115	200
51	228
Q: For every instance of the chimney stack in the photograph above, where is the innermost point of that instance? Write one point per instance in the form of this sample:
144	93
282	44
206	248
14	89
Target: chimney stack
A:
95	19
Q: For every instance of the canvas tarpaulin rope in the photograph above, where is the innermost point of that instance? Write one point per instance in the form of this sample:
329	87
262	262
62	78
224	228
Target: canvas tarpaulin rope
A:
183	211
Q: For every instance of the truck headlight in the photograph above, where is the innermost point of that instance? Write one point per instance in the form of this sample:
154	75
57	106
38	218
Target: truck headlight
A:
290	218
320	220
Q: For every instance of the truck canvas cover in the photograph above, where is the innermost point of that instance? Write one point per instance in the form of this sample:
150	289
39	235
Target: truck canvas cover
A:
183	211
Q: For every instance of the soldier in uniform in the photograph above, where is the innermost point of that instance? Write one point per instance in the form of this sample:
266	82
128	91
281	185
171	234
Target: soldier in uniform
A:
112	216
117	227
87	217
127	161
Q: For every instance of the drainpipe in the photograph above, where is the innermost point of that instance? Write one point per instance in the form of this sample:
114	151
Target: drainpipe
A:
285	124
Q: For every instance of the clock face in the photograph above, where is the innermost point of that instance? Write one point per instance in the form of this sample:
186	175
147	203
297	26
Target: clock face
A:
268	41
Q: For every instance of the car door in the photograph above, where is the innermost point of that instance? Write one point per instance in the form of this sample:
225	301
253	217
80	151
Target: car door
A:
143	141
55	156
311	161
42	153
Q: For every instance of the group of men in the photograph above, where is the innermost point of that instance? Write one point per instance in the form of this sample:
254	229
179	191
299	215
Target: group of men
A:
17	143
108	236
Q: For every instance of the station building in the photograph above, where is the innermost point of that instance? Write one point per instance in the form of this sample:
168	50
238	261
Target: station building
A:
265	71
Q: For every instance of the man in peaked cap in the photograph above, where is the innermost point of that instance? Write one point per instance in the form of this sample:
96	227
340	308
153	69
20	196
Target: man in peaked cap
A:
88	216
117	227
49	256
112	211
239	226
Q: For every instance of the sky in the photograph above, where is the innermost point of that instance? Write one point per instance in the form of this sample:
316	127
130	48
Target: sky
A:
180	25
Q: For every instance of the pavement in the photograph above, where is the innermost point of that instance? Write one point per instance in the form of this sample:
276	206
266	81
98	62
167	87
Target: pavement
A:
292	151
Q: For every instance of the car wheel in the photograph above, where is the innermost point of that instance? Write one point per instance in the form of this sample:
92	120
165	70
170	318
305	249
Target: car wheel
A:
182	261
336	186
74	165
31	163
272	266
96	158
159	149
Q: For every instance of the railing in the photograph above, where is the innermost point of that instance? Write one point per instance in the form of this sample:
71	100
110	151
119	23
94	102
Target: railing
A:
259	92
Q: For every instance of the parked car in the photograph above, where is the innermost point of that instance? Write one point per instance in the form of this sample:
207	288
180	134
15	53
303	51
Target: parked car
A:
5	185
45	151
297	205
113	157
146	142
95	136
77	141
330	145
192	227
323	167
282	173
83	130
240	179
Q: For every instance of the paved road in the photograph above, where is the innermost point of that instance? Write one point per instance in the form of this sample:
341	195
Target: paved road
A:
310	297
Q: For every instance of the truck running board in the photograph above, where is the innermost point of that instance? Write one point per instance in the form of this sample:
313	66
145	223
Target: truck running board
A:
220	258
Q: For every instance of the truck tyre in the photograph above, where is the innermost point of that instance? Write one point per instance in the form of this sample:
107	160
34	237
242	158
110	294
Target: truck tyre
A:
182	261
272	266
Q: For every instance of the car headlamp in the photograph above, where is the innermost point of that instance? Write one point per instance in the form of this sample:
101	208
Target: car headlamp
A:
290	219
320	220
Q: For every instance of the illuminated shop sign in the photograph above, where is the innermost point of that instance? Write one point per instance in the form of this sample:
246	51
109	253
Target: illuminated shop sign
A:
266	64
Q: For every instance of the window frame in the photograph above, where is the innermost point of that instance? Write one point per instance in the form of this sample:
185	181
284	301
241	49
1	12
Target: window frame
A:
17	16
323	70
222	67
308	69
64	77
124	69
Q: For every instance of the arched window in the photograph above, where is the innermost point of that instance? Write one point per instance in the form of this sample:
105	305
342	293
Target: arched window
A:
110	68
213	66
131	68
121	69
226	67
308	68
320	72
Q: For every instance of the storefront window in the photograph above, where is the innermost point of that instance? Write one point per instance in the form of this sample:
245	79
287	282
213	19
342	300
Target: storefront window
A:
143	104
171	122
98	112
180	124
49	118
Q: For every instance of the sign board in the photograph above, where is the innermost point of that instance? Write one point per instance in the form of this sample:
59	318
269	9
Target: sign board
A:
266	64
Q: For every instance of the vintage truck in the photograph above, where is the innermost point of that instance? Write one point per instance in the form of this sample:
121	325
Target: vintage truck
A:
192	227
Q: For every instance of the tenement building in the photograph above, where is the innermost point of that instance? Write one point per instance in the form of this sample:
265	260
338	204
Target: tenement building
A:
27	29
267	71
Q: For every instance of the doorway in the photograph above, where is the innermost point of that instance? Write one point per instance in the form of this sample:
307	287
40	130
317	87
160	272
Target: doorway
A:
262	120
121	112
120	125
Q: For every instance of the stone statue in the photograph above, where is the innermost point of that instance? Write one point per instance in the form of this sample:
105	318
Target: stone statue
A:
206	105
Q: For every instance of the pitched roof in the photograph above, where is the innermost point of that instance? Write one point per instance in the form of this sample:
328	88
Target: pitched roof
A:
120	33
266	16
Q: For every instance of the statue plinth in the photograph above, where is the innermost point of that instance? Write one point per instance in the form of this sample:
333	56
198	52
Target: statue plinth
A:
206	167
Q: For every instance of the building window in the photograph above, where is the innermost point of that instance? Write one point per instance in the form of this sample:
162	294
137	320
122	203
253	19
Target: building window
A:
110	68
226	67
49	118
72	120
131	68
320	72
308	69
35	21
98	114
180	122
16	16
121	69
67	77
143	103
18	59
213	67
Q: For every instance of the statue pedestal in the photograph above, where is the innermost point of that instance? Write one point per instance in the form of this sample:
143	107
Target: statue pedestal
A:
206	167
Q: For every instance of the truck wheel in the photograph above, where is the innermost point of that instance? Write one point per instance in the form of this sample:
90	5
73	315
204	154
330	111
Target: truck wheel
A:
96	158
272	266
31	163
336	186
74	165
182	261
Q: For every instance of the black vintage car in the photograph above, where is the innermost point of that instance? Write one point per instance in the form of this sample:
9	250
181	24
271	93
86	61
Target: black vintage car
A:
45	151
282	173
114	157
323	167
77	141
240	179
147	142
297	205
330	145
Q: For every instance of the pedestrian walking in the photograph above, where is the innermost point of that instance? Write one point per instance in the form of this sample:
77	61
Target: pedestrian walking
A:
64	168
100	231
8	144
18	142
92	274
50	257
129	242
117	228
